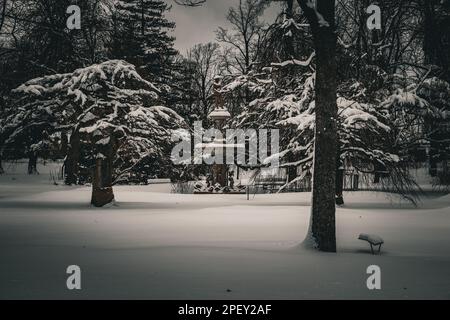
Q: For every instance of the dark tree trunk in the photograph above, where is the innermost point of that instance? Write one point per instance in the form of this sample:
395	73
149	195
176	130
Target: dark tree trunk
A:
32	163
1	167
64	148
433	168
436	39
339	186
379	169
292	173
431	39
376	177
102	191
72	160
291	170
290	50
339	177
322	231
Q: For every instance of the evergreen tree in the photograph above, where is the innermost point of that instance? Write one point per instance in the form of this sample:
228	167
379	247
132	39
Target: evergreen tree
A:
113	117
141	37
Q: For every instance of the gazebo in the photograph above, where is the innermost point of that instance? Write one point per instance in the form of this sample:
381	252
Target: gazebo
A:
219	181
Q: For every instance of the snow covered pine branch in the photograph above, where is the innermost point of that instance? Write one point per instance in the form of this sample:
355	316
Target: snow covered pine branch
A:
109	115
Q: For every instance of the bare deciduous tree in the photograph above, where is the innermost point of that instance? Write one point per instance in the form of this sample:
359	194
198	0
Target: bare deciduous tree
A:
245	35
204	58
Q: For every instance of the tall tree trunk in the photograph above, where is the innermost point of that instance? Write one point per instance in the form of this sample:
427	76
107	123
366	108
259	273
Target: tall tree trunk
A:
64	148
102	191
291	170
431	39
340	186
72	160
32	163
433	167
1	167
436	26
290	40
339	177
322	233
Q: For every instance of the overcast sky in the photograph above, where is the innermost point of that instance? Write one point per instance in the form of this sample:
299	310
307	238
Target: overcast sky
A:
197	25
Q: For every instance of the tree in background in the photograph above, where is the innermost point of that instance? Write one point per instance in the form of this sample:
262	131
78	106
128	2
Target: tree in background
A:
183	96
140	36
245	36
204	59
35	40
435	31
436	35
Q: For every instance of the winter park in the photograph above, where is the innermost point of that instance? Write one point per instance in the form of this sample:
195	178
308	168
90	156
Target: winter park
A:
232	150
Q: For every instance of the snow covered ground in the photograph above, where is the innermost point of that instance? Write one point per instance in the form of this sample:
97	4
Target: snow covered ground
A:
157	245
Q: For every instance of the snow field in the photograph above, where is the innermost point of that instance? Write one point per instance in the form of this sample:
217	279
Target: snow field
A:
157	245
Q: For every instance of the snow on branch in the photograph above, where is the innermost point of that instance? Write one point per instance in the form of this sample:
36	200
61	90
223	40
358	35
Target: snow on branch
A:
296	62
114	71
355	114
288	23
410	100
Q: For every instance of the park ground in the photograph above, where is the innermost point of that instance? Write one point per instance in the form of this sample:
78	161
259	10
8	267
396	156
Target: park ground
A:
153	244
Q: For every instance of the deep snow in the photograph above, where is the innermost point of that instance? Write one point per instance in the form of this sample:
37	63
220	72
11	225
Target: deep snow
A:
158	245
